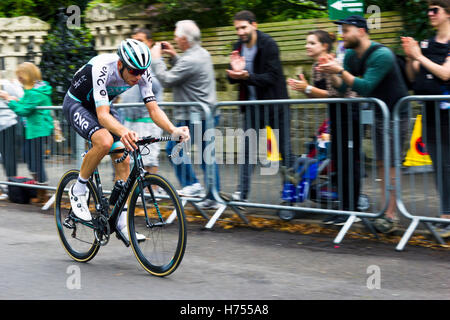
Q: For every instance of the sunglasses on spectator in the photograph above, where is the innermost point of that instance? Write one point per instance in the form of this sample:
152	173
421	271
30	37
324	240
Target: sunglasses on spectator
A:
136	72
434	10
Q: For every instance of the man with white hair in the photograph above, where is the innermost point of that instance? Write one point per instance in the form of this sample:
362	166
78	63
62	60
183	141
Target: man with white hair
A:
192	80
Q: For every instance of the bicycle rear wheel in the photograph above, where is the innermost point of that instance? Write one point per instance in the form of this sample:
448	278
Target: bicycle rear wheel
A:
163	223
77	237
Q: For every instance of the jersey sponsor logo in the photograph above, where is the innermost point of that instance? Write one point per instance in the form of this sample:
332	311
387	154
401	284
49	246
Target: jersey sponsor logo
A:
103	92
80	121
149	99
101	80
78	82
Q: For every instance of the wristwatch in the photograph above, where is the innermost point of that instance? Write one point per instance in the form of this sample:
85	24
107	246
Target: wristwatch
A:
308	89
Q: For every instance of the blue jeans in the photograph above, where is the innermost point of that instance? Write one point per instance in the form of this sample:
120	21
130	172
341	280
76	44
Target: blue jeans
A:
185	171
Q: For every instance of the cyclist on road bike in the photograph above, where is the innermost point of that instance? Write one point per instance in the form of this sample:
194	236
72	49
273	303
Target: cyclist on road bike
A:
87	107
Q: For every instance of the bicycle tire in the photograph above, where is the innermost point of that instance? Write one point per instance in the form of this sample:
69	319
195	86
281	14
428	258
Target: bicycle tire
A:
84	247
163	249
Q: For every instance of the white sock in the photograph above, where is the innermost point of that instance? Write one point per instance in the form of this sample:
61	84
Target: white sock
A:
122	221
80	186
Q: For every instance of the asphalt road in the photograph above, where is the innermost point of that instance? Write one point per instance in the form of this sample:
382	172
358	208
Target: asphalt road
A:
238	263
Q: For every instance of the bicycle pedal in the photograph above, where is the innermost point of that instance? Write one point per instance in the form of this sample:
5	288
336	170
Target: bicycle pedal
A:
69	223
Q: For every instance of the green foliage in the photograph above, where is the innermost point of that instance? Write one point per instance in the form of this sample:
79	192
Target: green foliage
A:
414	15
275	10
42	9
63	53
217	13
415	19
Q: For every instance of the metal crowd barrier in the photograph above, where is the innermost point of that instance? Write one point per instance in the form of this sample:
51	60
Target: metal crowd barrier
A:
57	151
268	188
305	117
420	191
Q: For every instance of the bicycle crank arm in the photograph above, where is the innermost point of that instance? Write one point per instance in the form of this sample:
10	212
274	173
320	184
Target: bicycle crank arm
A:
157	224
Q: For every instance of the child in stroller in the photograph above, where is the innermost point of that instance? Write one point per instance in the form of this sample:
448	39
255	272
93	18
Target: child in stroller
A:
311	177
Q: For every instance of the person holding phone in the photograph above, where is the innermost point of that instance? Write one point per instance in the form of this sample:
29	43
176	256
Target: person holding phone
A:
192	79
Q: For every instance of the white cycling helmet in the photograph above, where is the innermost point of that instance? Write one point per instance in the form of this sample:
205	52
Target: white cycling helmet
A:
134	54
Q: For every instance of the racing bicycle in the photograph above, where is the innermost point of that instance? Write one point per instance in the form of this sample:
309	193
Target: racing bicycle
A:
158	216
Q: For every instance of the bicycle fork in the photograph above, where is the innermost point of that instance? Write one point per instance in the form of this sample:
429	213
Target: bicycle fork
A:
155	203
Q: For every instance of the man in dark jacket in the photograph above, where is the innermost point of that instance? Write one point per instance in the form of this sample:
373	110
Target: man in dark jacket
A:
256	67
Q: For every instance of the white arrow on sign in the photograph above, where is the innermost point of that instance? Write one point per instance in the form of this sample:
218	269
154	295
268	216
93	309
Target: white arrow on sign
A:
339	5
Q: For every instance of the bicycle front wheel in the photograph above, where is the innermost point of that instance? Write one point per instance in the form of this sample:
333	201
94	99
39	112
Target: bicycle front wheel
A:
77	237
162	222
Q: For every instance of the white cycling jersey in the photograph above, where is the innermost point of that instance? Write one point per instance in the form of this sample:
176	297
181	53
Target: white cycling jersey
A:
98	82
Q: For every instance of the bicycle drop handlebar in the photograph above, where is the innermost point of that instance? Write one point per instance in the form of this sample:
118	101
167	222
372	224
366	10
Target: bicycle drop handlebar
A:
140	142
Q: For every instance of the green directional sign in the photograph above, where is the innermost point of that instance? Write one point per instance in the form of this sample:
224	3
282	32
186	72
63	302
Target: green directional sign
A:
341	9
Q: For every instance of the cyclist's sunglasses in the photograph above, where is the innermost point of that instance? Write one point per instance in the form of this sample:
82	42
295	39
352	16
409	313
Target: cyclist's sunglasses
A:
434	10
136	72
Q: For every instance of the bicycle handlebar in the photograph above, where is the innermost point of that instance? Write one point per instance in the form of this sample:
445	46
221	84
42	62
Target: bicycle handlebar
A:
140	142
123	157
150	139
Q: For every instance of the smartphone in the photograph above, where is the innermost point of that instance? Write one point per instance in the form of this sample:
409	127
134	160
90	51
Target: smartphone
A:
163	46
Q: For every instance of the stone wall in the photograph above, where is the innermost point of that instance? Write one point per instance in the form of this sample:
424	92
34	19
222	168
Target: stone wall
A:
18	36
109	26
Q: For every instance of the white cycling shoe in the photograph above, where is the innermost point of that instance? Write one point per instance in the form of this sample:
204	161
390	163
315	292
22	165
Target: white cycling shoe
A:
140	237
79	205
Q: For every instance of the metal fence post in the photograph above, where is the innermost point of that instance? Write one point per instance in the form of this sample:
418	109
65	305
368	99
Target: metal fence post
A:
405	102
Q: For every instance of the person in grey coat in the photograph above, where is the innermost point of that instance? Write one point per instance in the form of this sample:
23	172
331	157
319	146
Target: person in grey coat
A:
192	80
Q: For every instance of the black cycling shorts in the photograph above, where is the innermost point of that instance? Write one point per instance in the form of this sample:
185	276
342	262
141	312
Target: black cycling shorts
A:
82	120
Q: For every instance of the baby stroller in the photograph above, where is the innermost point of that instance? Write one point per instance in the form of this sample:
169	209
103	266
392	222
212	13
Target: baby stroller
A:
311	177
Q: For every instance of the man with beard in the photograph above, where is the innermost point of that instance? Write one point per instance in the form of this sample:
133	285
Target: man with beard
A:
371	70
255	65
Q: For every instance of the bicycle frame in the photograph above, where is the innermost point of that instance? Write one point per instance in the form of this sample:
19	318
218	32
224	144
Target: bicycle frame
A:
137	173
